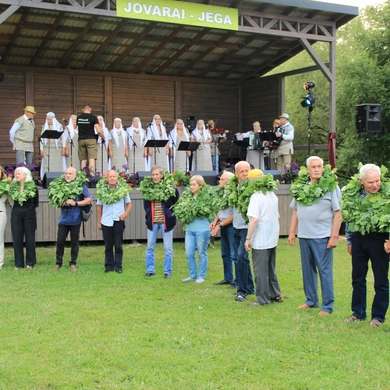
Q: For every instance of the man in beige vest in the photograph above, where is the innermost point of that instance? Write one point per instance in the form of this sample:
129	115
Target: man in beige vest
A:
285	149
22	136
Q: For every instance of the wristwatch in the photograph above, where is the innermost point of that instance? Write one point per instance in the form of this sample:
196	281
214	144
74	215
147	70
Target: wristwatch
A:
76	204
219	224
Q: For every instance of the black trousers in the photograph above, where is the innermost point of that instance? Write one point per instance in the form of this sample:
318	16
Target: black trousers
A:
23	225
63	231
113	237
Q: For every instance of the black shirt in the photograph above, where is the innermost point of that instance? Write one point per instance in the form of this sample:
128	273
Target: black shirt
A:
86	124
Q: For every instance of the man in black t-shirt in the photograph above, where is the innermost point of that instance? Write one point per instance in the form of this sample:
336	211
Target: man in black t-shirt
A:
87	124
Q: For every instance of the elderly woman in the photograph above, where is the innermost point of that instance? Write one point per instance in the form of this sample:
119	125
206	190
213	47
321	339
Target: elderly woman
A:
3	211
72	145
156	131
53	151
202	157
137	152
197	205
119	146
24	193
103	147
179	158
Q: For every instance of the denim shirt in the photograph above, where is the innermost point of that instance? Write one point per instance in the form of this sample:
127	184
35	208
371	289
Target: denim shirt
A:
72	215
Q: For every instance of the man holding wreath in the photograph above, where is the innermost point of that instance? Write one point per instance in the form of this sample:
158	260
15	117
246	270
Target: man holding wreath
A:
70	193
159	196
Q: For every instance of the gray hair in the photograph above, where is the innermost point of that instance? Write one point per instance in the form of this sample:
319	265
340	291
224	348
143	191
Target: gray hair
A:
368	168
228	174
26	171
156	168
311	158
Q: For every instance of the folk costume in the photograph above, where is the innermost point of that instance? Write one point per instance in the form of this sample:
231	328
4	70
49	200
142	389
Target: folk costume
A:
179	158
103	148
158	156
119	146
138	160
202	156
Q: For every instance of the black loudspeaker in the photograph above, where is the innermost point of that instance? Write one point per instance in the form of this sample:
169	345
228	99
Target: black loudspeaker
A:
141	175
191	123
368	118
275	173
48	177
209	176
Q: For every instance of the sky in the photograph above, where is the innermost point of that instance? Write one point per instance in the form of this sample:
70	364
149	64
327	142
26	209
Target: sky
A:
356	3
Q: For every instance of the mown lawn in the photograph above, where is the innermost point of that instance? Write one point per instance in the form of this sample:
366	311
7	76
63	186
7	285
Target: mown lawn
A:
90	330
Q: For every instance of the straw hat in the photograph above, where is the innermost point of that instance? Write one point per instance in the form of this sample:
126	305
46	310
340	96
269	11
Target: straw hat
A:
30	109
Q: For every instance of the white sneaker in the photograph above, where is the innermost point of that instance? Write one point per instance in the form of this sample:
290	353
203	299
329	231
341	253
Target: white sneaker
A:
189	279
199	280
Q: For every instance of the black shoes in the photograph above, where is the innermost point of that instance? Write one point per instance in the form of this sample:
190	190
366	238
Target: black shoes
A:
148	274
108	270
240	298
278	299
119	271
233	286
222	282
167	276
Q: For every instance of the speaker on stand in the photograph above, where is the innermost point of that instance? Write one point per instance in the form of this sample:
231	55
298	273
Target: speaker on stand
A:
48	177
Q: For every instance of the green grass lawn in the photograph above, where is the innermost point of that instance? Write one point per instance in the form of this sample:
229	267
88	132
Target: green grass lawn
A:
90	330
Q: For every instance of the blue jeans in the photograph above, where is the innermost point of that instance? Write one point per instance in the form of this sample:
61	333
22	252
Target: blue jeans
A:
364	248
315	256
151	245
244	272
215	162
228	252
200	241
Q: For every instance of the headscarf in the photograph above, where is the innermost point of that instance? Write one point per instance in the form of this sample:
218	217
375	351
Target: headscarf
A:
71	129
56	126
114	132
155	132
173	137
130	130
106	133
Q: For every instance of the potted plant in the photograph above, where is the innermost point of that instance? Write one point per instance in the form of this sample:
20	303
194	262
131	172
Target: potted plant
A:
290	173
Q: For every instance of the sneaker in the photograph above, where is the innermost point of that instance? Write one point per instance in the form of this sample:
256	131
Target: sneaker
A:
240	298
189	279
278	299
72	268
199	280
148	274
167	276
353	318
375	322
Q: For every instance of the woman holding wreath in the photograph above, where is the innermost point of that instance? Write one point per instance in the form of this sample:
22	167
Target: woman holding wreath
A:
113	207
24	194
195	208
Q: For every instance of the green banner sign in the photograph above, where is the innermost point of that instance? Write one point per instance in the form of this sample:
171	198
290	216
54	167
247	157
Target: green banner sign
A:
179	12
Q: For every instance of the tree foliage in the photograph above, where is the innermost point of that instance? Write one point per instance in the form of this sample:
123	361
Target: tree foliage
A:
363	76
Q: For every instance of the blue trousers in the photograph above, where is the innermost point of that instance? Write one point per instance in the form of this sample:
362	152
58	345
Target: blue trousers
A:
151	245
244	272
200	241
228	252
364	248
315	257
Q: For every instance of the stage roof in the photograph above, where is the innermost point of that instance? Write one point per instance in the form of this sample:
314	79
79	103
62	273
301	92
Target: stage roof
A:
87	35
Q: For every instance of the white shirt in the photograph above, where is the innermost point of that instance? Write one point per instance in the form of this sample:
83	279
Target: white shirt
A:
265	209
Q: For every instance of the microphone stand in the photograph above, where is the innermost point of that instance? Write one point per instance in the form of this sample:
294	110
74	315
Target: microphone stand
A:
134	146
172	159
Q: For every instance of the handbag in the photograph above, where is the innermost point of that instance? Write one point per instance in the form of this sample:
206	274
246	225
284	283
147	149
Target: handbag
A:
86	212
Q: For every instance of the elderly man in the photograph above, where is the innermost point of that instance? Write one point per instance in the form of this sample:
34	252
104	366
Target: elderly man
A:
113	207
318	217
244	273
89	130
70	219
158	215
263	236
22	136
286	136
223	222
365	247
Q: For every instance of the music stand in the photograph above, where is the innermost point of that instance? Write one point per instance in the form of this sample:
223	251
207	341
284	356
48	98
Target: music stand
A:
188	147
267	136
50	134
156	143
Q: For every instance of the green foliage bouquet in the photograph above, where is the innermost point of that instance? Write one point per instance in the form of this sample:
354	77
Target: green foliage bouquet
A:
60	190
187	208
370	213
158	192
305	193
